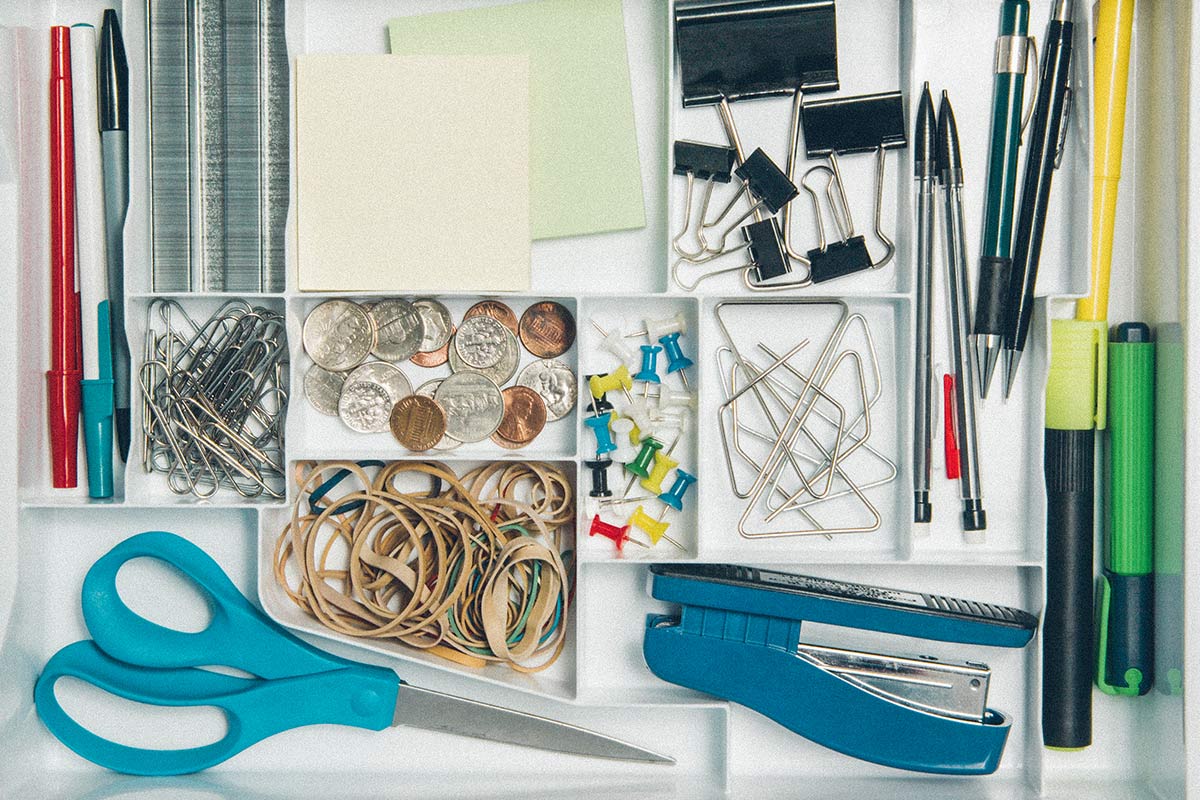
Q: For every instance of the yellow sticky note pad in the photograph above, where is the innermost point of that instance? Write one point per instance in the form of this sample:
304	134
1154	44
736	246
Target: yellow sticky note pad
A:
412	173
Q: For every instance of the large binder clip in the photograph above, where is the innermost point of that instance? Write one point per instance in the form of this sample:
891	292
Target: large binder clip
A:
737	636
837	127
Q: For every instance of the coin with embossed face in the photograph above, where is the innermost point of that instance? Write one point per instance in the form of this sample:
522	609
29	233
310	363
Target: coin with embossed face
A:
524	417
435	322
365	407
497	311
323	388
386	375
479	342
547	329
418	422
338	335
473	404
500	372
555	382
428	389
400	329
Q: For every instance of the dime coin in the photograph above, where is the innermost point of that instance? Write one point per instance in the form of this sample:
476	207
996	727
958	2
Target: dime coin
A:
418	422
435	322
386	375
500	372
555	382
547	329
435	358
473	404
338	335
479	342
428	389
323	388
400	329
365	407
497	311
524	416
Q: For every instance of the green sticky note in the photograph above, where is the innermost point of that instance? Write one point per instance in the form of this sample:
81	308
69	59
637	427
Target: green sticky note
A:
585	176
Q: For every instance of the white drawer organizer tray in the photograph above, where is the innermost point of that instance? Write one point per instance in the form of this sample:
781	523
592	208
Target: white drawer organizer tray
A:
619	279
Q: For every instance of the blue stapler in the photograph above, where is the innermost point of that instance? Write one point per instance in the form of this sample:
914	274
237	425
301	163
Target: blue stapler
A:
738	637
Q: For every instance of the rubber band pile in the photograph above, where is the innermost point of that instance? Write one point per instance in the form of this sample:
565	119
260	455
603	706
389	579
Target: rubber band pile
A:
470	569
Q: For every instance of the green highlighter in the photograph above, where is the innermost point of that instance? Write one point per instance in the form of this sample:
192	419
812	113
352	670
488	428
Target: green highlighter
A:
1125	658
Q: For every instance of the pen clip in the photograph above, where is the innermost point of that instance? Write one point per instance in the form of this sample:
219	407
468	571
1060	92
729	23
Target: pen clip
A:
1068	101
1031	62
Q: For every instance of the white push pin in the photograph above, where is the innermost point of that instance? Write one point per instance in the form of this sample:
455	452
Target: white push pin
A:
658	328
669	400
625	452
614	343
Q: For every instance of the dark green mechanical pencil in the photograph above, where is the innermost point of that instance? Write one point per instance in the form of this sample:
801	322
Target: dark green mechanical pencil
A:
995	262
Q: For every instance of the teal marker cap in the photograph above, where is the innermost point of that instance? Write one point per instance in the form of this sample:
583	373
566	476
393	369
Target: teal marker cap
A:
97	395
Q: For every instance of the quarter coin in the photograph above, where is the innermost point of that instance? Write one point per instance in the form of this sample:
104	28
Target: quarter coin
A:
435	323
524	416
400	329
338	335
497	311
386	375
479	342
428	389
323	388
547	329
473	404
365	407
418	422
555	382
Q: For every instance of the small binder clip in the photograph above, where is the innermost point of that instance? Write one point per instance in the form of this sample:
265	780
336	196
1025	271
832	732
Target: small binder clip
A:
711	163
737	636
836	127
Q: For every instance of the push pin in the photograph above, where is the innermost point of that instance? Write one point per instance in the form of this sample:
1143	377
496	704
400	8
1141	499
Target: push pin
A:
622	429
599	426
643	420
710	163
619	378
619	535
670	400
648	374
614	343
676	360
673	497
655	529
663	463
600	404
658	328
639	467
599	469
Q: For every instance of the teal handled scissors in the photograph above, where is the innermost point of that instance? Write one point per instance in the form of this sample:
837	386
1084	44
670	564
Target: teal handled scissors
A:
296	684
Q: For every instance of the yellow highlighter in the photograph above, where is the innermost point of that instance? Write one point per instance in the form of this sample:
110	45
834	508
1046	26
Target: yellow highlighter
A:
1078	362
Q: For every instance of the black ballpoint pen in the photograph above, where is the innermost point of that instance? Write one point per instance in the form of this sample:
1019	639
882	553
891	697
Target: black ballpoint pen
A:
114	153
925	174
1044	151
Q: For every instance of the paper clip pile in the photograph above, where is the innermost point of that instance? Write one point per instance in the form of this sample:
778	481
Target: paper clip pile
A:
214	398
796	421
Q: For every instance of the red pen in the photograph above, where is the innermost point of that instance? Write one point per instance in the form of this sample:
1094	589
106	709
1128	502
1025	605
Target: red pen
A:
62	380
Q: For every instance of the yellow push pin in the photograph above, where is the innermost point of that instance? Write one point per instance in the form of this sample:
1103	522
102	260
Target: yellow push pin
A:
619	378
663	464
655	529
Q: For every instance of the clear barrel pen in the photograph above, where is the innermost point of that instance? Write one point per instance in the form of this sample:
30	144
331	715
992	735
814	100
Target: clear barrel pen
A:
925	174
950	176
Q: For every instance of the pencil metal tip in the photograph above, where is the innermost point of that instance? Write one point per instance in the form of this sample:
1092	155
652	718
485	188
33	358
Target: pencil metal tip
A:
987	352
1012	358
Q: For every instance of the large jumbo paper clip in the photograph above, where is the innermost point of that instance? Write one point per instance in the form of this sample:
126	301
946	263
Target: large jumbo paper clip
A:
837	127
737	636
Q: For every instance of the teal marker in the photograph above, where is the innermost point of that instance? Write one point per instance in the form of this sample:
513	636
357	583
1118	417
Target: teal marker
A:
1125	637
995	261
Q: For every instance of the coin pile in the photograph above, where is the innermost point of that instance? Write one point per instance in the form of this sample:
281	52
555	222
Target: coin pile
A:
357	350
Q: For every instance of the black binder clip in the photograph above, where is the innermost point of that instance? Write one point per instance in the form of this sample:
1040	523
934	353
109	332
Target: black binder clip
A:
843	126
711	163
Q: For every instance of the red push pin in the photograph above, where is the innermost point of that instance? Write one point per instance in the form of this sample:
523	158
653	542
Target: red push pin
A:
619	535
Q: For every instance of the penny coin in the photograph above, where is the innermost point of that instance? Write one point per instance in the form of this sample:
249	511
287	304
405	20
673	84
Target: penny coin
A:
473	404
400	329
479	342
435	358
365	407
338	335
555	382
497	311
547	329
323	388
500	372
524	415
435	322
386	375
418	422
428	389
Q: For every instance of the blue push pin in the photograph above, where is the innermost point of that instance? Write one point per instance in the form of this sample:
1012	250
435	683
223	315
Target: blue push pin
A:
673	497
648	374
676	360
599	426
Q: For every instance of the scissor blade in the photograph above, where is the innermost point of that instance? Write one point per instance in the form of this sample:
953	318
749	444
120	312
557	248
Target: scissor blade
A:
424	708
